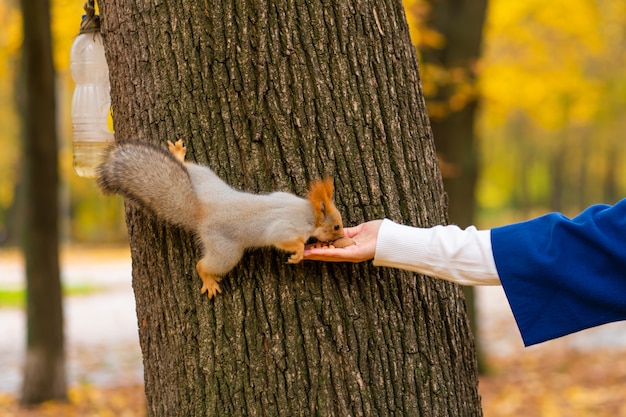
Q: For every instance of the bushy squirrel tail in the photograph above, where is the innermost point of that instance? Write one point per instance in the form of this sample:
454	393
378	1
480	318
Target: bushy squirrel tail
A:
153	178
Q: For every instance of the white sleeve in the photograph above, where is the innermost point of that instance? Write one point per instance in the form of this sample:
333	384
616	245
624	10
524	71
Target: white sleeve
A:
446	252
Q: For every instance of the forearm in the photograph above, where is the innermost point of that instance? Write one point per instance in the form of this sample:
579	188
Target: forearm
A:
446	252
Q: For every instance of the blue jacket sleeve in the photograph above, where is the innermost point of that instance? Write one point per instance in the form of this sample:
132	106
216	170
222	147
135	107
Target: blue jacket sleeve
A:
563	275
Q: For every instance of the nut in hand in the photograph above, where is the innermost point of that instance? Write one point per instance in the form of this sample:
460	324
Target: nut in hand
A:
342	242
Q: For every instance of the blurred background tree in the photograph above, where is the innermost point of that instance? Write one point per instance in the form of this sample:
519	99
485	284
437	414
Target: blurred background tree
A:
44	365
552	95
449	40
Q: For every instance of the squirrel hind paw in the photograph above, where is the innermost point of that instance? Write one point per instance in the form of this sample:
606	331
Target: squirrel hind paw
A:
211	288
210	282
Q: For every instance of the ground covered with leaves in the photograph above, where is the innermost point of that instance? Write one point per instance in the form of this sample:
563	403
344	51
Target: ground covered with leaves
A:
546	383
83	401
556	383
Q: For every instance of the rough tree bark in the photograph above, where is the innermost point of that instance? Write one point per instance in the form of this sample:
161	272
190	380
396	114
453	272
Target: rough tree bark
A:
44	368
272	94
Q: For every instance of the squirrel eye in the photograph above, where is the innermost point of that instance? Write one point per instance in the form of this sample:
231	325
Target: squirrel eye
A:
336	227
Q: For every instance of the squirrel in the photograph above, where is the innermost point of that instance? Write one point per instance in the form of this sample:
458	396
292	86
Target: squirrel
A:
226	221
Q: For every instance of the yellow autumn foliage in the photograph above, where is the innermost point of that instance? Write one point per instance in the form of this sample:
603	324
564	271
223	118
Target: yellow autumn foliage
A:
10	43
536	60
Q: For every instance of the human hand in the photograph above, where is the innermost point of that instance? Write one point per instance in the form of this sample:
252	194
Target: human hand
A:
364	235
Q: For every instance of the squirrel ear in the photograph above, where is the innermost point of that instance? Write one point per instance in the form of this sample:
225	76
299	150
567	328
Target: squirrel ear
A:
321	193
323	208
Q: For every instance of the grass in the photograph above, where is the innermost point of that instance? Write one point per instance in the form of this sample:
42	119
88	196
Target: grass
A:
16	297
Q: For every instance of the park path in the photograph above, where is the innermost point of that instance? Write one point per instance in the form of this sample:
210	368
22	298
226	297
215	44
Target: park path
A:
101	329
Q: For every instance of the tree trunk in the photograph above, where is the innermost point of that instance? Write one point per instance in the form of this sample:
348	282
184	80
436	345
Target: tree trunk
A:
272	95
44	370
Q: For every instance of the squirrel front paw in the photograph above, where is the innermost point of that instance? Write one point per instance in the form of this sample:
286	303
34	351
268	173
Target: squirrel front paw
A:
296	247
296	257
210	282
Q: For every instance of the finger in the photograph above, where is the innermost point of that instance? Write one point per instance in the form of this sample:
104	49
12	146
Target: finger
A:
322	252
330	254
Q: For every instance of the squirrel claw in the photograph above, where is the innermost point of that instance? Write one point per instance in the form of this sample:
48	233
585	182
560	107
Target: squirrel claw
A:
295	258
210	282
211	288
